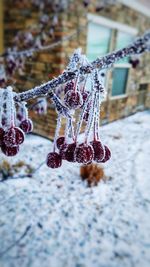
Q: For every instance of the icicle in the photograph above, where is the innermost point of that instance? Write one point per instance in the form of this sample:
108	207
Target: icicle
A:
58	126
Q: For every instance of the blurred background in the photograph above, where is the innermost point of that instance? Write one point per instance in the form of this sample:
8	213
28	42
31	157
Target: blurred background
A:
98	27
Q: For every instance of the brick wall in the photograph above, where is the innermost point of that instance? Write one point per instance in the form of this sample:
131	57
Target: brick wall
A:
54	61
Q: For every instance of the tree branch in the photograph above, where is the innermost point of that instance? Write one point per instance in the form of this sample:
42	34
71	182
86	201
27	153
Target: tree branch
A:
139	46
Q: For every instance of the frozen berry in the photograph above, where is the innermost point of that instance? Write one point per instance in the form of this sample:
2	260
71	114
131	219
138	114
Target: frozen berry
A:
60	141
107	154
70	152
26	125
73	100
99	151
54	160
14	136
62	150
9	151
85	95
84	154
69	86
2	132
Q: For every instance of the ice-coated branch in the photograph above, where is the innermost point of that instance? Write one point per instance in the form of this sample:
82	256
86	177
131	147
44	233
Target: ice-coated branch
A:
139	46
29	52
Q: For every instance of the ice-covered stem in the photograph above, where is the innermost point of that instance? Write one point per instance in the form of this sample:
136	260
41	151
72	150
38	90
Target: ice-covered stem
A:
10	107
74	60
139	46
1	105
61	109
58	125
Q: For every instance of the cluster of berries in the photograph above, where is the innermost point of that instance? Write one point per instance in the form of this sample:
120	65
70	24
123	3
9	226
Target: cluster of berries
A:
13	127
84	153
76	97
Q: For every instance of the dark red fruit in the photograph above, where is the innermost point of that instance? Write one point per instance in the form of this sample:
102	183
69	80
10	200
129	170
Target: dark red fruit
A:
107	154
2	132
53	160
70	152
14	136
26	125
9	151
69	86
62	151
84	154
99	151
60	141
73	100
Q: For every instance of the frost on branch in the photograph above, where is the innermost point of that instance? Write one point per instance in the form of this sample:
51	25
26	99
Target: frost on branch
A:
74	100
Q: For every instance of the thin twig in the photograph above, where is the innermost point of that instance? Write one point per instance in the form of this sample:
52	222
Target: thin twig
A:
139	46
16	242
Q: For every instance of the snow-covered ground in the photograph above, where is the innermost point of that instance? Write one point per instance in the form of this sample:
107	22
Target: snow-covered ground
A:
55	220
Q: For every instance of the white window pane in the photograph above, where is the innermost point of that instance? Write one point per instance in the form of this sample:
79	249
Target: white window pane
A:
98	40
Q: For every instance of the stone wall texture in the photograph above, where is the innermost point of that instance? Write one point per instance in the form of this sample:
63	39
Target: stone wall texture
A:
51	63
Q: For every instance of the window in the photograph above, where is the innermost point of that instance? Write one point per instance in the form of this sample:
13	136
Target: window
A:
98	41
121	69
105	35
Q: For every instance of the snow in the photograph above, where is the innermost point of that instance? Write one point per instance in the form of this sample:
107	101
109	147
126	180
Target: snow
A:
55	220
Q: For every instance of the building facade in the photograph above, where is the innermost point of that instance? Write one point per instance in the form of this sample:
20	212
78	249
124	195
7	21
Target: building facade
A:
100	32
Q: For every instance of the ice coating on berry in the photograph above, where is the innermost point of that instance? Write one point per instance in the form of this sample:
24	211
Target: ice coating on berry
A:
73	100
70	152
69	86
99	151
60	141
2	132
84	154
9	151
85	95
63	150
107	154
26	125
14	136
53	160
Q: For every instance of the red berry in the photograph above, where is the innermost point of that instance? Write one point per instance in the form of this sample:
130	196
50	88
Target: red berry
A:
70	152
99	151
69	86
60	141
26	125
85	95
62	150
84	154
107	154
73	100
14	136
2	132
10	151
54	160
